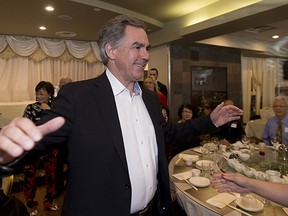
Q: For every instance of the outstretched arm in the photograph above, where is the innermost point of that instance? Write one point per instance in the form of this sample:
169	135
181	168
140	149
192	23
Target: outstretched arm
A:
223	114
22	135
235	182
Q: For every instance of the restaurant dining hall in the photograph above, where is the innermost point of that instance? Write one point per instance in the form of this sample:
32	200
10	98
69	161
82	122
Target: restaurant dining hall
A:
169	108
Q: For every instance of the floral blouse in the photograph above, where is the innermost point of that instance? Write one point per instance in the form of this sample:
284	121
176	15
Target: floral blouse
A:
34	111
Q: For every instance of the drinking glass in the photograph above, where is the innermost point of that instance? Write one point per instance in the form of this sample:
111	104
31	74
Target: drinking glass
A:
245	140
274	141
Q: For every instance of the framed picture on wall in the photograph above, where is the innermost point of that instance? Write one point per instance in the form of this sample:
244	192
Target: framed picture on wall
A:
209	87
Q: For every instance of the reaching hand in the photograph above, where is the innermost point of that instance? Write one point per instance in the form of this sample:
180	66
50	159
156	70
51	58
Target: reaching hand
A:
231	182
223	114
22	135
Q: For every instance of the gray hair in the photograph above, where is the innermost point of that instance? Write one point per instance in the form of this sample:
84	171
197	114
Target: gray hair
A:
113	32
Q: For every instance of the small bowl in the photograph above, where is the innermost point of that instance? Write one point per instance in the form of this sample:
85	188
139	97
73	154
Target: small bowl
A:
188	160
194	158
275	179
248	201
239	167
273	173
244	156
249	172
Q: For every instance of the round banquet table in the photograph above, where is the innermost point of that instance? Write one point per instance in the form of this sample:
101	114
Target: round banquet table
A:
194	202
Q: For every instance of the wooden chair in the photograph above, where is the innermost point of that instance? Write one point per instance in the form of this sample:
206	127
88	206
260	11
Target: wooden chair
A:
7	184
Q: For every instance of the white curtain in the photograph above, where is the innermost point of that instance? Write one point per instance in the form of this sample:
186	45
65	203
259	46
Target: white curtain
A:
24	61
259	78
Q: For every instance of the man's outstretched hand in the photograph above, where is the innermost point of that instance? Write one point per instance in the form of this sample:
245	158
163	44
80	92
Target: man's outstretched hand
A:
22	135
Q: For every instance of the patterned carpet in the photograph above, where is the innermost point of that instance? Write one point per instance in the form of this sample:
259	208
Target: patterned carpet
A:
39	197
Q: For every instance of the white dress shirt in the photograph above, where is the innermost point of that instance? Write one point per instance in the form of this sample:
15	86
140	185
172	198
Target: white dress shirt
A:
139	142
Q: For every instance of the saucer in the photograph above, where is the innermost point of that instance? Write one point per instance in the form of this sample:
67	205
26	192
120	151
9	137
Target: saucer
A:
258	207
199	181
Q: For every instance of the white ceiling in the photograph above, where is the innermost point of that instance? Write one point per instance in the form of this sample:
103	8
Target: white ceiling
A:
218	22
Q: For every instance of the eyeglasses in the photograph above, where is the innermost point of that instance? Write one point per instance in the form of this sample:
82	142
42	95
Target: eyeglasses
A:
280	107
187	111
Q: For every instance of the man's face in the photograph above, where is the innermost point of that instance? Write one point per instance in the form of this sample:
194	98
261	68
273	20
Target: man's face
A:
280	108
131	57
154	74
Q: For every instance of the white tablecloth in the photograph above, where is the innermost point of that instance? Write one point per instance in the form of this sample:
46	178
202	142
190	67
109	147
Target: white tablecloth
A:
255	128
10	110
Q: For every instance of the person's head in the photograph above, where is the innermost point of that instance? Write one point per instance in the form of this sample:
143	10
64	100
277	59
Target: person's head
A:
123	45
64	80
165	112
228	102
185	112
153	72
280	106
150	83
44	92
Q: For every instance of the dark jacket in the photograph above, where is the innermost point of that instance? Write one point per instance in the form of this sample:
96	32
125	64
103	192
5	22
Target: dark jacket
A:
99	181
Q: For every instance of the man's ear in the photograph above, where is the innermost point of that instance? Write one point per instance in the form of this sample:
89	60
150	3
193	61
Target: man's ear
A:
110	51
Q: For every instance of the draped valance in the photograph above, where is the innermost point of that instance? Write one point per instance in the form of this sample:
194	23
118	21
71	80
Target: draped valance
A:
41	48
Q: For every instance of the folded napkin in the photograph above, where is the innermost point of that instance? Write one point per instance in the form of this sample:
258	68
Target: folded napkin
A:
285	179
183	175
183	155
221	199
285	210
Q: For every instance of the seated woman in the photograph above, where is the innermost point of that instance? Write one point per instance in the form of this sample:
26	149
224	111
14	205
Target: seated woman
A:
185	112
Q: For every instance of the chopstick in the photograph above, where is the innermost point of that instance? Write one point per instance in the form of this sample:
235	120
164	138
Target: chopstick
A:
195	188
236	209
180	158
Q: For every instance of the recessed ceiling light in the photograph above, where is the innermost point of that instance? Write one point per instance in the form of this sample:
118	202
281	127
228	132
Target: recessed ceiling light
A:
49	8
65	34
275	36
96	9
42	28
64	17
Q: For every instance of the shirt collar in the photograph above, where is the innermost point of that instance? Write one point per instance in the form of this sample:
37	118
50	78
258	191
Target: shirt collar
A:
118	87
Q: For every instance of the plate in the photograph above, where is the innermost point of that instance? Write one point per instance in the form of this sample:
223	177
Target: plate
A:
256	208
199	181
208	163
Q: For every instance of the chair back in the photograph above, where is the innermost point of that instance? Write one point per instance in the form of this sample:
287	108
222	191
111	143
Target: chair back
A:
7	184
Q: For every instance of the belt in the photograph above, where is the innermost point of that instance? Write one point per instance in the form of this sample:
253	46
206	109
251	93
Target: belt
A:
147	211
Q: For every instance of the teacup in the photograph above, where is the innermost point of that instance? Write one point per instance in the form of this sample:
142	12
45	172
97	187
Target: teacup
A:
195	172
188	160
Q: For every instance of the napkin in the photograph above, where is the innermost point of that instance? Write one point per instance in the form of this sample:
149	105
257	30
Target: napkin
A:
221	199
285	179
285	210
185	175
183	155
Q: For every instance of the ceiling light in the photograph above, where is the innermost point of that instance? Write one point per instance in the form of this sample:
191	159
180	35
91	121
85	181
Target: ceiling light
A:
96	9
65	34
49	8
275	36
64	17
42	28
